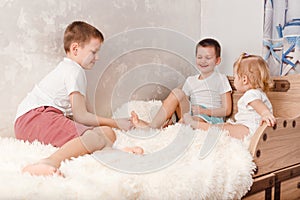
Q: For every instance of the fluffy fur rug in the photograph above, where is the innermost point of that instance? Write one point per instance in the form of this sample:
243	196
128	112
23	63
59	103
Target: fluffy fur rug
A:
170	168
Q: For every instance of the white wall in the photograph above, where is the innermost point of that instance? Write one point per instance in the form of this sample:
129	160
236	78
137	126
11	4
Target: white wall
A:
31	44
237	24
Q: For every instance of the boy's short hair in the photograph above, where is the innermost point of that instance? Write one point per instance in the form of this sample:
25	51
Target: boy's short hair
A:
209	42
80	32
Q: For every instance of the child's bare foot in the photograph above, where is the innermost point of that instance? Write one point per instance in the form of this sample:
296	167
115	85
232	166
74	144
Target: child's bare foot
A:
138	123
134	150
42	168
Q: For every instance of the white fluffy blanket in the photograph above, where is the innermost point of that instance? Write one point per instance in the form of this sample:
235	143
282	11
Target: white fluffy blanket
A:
170	169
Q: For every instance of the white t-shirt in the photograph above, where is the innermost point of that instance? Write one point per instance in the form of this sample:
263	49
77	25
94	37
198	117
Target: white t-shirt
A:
246	115
207	92
54	89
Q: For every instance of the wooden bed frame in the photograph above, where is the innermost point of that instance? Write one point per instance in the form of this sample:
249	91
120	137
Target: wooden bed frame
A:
276	150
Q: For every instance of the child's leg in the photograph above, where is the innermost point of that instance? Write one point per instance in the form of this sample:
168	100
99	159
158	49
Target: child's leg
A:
90	141
236	130
194	118
195	122
176	101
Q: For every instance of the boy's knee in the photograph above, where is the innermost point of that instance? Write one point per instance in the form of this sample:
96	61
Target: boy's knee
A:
178	93
93	140
107	131
98	138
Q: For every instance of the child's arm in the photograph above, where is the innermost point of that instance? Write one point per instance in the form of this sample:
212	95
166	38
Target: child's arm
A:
263	111
81	115
225	109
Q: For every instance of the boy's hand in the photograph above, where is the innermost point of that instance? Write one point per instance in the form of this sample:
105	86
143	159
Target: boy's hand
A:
124	123
197	110
187	118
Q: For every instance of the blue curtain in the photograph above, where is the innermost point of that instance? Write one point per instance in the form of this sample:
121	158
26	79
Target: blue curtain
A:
281	39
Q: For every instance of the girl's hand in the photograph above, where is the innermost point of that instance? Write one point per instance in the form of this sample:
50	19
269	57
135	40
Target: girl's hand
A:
268	117
124	123
264	112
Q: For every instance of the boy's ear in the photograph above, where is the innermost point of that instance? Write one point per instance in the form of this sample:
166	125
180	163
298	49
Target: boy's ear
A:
218	60
74	48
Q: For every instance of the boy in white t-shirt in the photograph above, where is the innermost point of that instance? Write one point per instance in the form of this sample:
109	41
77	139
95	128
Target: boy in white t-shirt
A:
43	114
207	96
252	78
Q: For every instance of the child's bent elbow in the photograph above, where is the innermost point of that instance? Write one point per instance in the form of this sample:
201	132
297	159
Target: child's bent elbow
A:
228	112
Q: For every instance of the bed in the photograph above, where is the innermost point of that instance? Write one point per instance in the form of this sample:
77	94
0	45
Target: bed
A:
170	168
267	166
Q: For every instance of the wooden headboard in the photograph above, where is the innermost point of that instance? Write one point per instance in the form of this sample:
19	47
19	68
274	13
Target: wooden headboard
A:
284	96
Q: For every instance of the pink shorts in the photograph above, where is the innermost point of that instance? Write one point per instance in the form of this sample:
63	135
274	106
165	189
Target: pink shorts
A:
47	125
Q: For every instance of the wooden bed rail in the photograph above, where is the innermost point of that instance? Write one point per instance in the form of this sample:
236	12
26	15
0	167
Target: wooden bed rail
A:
275	148
276	153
